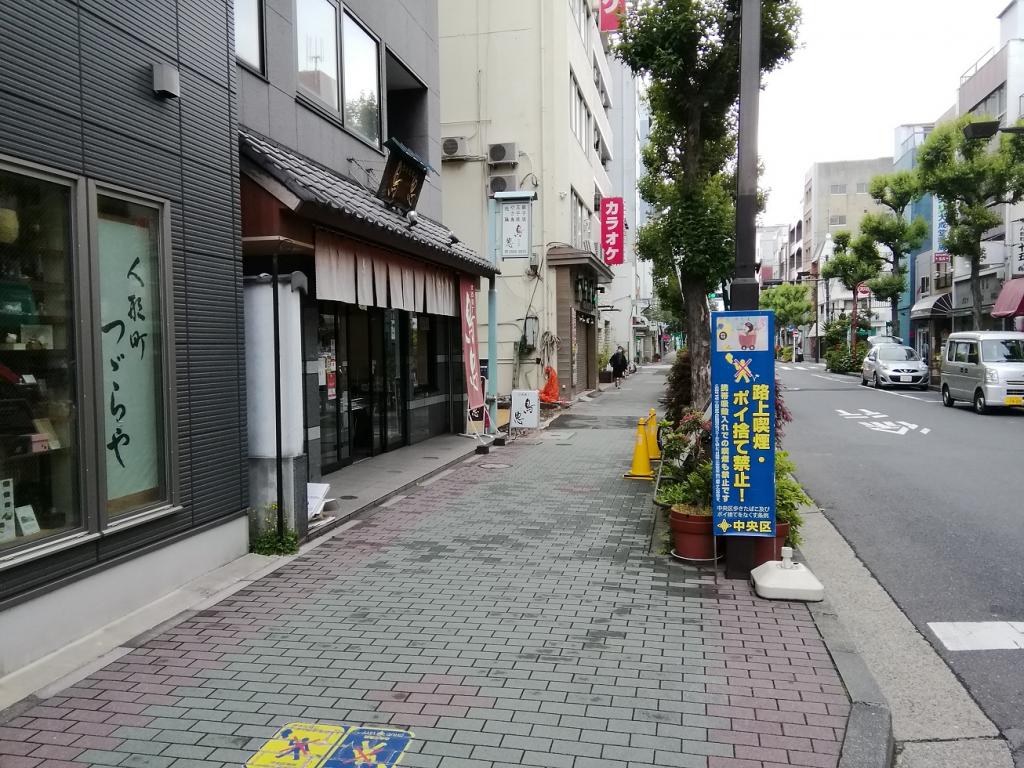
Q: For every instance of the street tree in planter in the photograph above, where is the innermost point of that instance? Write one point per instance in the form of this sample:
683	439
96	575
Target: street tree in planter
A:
891	229
971	182
688	51
791	304
856	260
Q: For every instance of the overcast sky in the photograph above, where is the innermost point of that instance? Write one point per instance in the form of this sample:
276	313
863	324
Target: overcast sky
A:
863	67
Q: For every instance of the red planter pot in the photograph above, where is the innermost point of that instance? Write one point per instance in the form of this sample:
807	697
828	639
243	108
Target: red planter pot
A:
766	550
692	536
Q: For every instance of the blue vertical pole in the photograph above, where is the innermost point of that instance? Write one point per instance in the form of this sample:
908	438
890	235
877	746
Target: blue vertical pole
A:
492	314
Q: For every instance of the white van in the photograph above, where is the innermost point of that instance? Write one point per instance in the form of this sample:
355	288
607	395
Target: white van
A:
985	368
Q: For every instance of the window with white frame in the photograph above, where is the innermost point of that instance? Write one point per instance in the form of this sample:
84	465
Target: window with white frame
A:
862	187
580	118
580	215
837	189
836	220
86	412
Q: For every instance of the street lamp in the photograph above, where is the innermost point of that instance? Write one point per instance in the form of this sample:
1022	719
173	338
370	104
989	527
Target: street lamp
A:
986	129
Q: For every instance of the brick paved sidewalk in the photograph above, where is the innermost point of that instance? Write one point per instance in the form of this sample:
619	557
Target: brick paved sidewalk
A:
509	616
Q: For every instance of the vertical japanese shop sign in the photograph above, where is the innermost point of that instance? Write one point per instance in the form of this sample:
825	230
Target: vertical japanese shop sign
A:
470	355
612	230
743	423
129	313
611	14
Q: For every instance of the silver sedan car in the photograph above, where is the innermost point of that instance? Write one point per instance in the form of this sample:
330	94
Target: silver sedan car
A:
894	365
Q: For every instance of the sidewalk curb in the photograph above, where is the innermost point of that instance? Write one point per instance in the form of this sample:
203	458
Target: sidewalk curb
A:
868	742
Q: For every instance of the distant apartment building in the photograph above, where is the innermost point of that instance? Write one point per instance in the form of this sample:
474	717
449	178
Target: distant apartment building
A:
993	87
836	198
527	100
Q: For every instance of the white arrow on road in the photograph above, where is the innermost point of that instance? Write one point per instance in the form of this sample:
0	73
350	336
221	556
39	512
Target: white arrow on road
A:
862	416
863	413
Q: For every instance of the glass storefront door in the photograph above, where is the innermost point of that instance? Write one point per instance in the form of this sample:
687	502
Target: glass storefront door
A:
362	371
332	375
394	375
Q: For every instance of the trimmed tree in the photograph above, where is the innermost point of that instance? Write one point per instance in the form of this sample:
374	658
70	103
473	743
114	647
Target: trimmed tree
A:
856	260
891	229
689	51
791	304
971	181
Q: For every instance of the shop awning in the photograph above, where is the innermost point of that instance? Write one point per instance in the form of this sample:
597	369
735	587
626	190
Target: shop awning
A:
1011	300
930	306
331	199
563	255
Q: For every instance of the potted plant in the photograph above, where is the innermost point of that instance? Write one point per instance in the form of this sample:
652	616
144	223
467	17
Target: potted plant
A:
789	497
604	375
690	517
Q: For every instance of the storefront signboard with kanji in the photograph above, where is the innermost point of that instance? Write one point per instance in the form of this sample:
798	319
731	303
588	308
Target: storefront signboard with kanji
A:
743	423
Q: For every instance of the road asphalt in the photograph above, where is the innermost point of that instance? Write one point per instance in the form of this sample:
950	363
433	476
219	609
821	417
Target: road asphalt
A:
930	499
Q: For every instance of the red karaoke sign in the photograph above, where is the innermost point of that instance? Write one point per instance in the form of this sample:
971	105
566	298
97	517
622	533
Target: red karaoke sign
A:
611	14
613	226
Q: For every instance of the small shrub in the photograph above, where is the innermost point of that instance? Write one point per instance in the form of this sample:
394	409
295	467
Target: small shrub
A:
789	497
786	354
267	543
263	538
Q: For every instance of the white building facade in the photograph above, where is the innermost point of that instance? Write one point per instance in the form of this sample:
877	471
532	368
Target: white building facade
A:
526	98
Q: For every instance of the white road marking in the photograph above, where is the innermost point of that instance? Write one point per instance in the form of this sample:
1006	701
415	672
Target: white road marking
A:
830	378
800	368
979	635
864	414
925	430
784	368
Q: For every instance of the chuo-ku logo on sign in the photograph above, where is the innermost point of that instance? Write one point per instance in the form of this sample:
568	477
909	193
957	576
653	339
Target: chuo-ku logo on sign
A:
306	745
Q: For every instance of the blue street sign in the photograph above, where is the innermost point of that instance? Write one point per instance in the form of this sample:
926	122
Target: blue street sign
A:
743	423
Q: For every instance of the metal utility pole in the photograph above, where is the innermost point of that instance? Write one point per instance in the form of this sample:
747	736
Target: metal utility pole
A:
744	291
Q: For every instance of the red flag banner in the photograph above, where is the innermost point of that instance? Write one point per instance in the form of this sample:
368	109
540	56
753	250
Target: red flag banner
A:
611	14
613	227
470	357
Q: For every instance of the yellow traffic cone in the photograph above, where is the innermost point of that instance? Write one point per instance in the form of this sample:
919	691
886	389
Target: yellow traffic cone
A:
641	469
652	437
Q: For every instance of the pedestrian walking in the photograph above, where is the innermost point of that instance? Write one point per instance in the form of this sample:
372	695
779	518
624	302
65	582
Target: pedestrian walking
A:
619	364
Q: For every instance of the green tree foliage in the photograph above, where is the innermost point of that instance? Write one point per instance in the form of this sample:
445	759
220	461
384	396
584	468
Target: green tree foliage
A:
856	260
895	191
791	304
689	51
971	181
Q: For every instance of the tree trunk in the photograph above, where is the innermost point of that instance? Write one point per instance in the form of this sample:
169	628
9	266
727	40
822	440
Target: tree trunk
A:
894	303
976	291
698	330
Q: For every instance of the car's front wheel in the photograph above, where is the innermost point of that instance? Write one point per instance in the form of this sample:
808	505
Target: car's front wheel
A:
877	383
947	399
980	406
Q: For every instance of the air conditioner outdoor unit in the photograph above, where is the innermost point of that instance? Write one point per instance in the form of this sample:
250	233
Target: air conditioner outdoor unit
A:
503	184
454	148
503	154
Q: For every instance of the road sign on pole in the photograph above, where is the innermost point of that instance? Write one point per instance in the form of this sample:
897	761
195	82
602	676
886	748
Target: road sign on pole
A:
743	423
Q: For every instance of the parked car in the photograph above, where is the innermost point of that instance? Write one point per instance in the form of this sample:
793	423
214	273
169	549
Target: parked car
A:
874	341
894	365
984	368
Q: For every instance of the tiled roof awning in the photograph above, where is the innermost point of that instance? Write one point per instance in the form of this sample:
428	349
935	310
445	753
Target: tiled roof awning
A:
335	200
